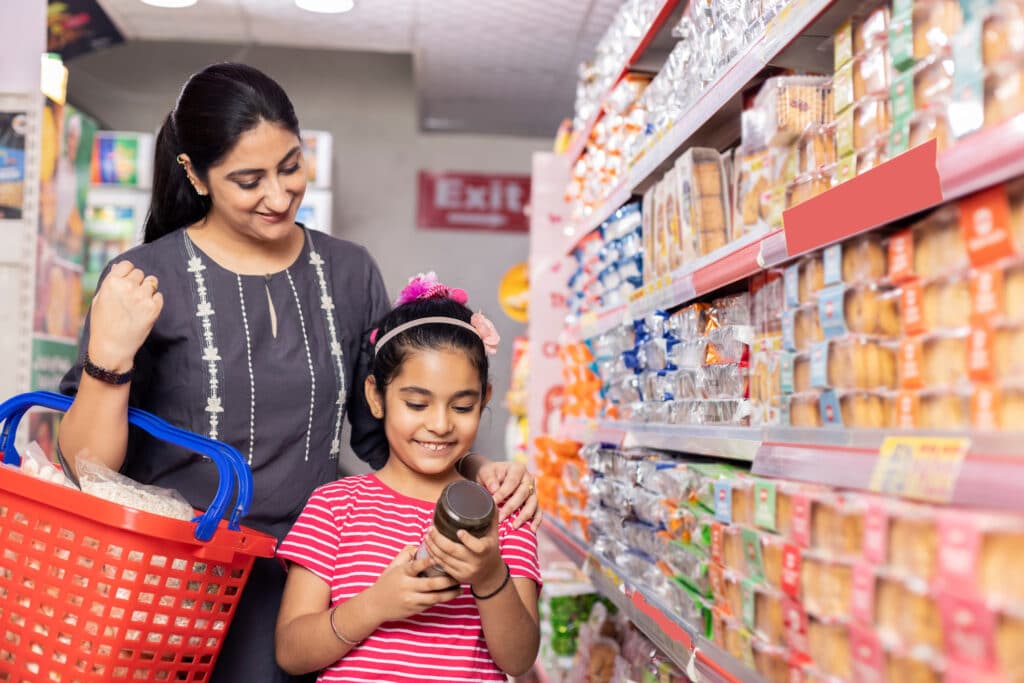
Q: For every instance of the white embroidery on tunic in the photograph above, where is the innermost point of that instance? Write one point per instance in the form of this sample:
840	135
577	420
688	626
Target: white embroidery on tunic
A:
211	354
327	306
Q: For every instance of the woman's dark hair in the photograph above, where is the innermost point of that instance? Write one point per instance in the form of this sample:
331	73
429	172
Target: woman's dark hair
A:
388	362
214	108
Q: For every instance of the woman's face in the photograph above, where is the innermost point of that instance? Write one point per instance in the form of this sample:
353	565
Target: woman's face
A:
257	188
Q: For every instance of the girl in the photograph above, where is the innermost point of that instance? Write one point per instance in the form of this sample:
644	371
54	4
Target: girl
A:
354	604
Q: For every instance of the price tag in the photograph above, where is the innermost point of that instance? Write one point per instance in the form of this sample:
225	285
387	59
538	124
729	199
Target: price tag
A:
925	468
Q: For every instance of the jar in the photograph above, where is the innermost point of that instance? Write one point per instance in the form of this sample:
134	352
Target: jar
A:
463	505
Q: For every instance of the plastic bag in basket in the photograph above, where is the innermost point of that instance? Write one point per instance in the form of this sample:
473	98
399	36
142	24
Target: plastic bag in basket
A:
104	483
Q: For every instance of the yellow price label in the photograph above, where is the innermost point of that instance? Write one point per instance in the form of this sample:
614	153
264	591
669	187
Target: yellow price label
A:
925	468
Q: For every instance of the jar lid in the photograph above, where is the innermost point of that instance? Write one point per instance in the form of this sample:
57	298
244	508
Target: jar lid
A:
467	504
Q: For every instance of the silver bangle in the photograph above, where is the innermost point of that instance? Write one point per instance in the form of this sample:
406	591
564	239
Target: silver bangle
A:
337	633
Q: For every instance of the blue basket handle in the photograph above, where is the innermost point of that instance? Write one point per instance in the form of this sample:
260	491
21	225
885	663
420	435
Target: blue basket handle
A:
231	466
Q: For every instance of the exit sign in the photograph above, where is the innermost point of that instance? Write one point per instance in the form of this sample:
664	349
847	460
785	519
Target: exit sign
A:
472	201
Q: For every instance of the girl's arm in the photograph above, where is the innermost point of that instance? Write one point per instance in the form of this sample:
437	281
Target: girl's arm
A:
306	640
510	621
508	607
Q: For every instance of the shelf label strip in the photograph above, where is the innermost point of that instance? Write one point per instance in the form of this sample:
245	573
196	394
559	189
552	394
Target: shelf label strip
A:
925	468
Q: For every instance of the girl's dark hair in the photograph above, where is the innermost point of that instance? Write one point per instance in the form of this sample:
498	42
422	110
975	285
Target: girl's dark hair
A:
214	108
388	362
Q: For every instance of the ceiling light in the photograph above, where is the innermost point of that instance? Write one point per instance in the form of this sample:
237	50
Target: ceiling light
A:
174	4
326	6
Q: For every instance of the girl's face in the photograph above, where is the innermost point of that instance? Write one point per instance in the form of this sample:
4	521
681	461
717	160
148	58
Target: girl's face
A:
431	410
258	187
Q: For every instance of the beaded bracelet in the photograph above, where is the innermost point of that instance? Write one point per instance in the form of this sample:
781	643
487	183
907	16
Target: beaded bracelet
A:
508	575
337	633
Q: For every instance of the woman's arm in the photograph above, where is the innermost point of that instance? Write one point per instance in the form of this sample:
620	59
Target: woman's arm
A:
509	482
122	315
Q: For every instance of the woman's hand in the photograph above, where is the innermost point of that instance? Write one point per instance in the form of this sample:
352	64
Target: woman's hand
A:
512	487
400	592
123	313
476	561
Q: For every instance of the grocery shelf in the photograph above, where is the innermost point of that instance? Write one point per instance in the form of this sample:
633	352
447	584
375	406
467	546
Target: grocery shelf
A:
574	549
673	636
594	431
903	186
735	443
617	198
578	141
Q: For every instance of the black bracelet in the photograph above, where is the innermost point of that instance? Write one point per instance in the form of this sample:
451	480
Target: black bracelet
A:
508	575
104	375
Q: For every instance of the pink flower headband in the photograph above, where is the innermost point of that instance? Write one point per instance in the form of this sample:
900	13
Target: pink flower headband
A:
427	286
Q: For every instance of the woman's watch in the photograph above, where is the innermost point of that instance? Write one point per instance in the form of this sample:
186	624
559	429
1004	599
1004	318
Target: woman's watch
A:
104	375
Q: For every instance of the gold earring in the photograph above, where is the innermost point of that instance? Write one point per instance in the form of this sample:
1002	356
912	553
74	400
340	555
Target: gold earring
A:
181	159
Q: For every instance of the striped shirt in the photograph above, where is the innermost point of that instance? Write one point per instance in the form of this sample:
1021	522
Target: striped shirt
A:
348	534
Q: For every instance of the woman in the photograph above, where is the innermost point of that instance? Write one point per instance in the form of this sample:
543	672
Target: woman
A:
233	321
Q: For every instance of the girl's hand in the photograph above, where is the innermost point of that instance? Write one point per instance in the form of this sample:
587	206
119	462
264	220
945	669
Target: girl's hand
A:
513	489
476	561
123	313
400	592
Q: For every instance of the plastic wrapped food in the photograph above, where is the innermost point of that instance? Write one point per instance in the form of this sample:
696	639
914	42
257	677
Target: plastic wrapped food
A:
791	104
871	120
1003	32
837	525
944	360
816	148
859	309
932	123
853	363
771	662
804	410
829	645
753	184
932	247
812	277
857	260
101	482
871	73
703	200
1004	92
870	26
689	322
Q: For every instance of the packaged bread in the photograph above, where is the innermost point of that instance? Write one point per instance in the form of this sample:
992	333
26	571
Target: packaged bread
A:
1012	304
933	247
921	622
738	641
1002	32
742	497
804	410
912	541
753	185
829	644
863	309
865	410
801	373
933	82
703	199
857	260
837	525
826	587
946	304
979	555
771	662
807	186
1010	405
935	24
853	363
1009	636
806	328
790	104
871	156
934	409
1004	92
871	120
871	72
931	124
733	556
903	667
769	623
944	360
812	277
871	26
1007	353
817	148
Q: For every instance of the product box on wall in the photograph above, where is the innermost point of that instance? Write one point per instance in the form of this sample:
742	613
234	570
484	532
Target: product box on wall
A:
315	211
122	158
317	149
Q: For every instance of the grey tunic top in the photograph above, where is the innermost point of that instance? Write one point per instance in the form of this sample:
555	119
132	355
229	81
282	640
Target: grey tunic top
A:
269	364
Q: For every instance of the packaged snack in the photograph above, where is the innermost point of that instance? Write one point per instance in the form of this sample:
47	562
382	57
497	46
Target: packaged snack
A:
871	27
829	645
769	624
853	363
871	120
817	148
862	309
931	123
865	410
804	410
802	373
807	329
1009	636
791	104
935	23
900	666
944	360
859	259
1004	92
703	201
837	525
977	557
753	183
934	247
937	409
933	82
1002	32
772	662
871	72
812	277
911	541
871	156
647	232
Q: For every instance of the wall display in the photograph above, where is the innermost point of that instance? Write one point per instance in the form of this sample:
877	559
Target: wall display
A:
120	158
13	127
76	27
316	154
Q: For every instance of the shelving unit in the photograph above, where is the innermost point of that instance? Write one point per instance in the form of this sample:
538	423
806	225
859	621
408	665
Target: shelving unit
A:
578	142
673	636
913	182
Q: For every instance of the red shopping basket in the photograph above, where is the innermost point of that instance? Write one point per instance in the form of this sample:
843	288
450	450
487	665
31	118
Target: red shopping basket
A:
94	591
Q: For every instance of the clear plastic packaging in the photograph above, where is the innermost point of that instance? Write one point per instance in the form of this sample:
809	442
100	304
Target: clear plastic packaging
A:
689	322
854	363
704	214
35	464
1002	32
935	24
829	644
871	73
811	277
804	410
101	482
871	27
826	587
871	120
931	123
938	246
944	360
771	662
791	104
816	148
806	328
837	525
933	82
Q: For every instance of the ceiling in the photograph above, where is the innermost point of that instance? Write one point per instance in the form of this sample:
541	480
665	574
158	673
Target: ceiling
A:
504	67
